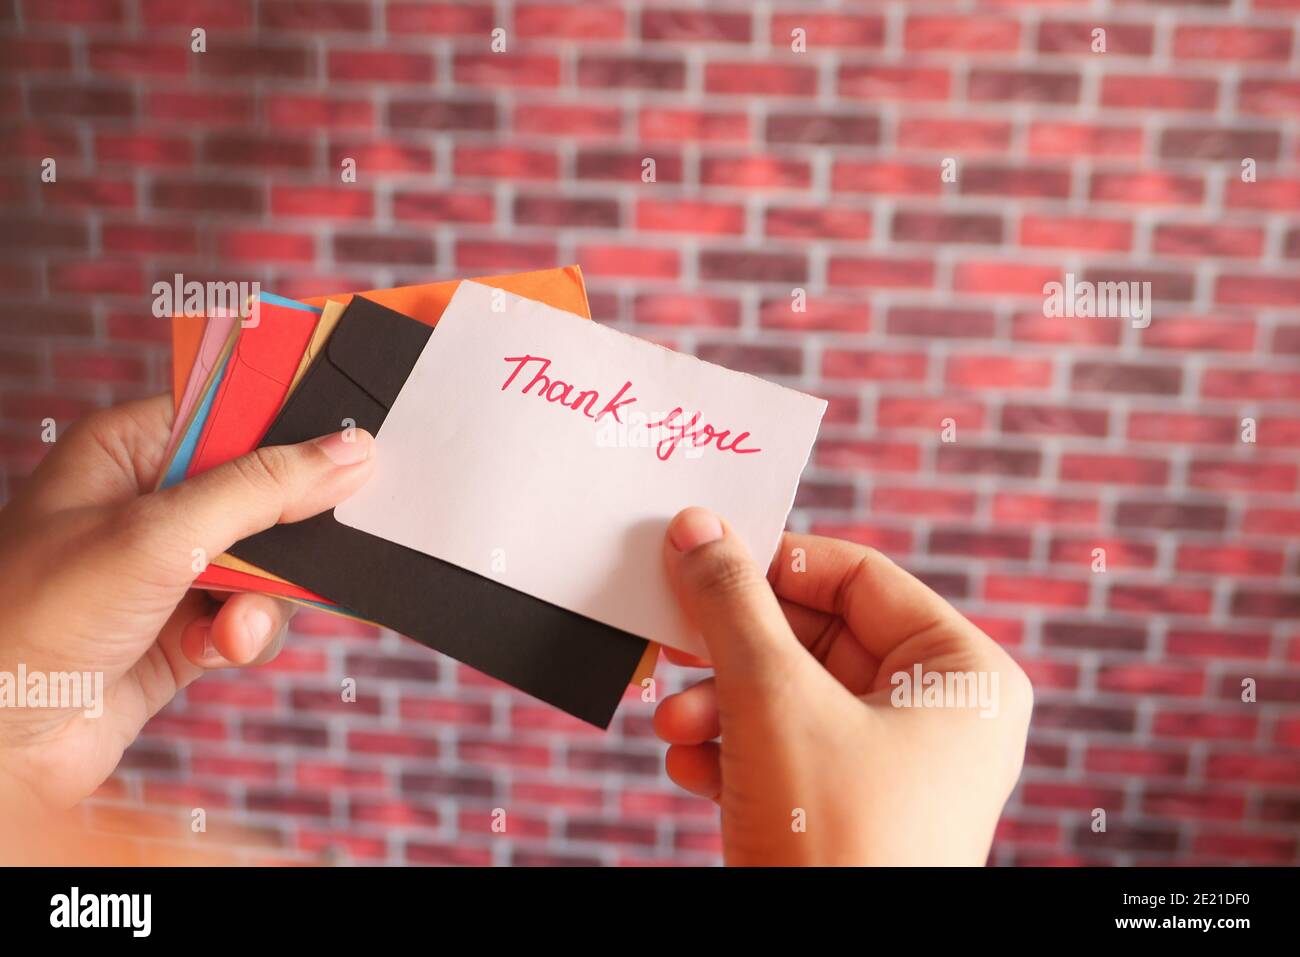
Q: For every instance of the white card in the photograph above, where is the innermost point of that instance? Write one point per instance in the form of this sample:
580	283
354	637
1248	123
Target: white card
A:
549	453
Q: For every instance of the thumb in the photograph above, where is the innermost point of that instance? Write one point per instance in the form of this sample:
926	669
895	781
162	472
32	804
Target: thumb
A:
727	597
266	487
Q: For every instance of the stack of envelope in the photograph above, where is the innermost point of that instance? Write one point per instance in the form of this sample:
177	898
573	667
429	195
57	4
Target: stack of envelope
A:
530	615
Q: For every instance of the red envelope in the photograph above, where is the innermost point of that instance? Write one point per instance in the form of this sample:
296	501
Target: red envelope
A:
255	385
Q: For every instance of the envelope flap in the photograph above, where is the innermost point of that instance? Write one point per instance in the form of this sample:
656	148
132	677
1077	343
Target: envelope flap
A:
376	348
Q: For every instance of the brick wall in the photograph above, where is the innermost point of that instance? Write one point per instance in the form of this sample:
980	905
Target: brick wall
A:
775	170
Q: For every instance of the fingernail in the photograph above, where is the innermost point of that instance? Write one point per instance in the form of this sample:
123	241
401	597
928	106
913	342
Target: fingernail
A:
694	527
257	624
347	447
209	649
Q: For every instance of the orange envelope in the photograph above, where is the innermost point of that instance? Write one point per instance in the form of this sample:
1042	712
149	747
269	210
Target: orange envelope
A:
187	333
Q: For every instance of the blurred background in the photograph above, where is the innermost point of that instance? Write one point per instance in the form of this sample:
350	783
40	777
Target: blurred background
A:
775	170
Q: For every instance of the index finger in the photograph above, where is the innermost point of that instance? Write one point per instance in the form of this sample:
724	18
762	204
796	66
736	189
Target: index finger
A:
882	604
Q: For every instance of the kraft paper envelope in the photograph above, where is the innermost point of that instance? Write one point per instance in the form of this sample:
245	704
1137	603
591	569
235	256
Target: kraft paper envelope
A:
561	657
567	447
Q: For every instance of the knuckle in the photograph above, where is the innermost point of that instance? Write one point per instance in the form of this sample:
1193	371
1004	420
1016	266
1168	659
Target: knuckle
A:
266	469
722	571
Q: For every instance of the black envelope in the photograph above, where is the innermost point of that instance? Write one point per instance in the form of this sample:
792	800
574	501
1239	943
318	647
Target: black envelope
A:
566	659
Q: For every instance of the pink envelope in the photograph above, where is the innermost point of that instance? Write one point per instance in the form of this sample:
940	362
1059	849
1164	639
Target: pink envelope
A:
215	335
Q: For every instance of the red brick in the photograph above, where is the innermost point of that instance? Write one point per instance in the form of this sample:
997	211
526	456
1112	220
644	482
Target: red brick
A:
825	129
1004	278
965	34
969	137
1250	476
1023	86
304	15
460	206
1250	384
444	19
384	248
1032	508
1119	553
501	70
1035	590
379	66
1135	761
632	73
690	216
672	309
974	543
998	372
879	366
250	60
117	238
1220	42
1159	93
86	12
695	26
989	460
1200	642
505	163
759	78
137	58
1077	232
817	222
880	272
876	177
381	156
753	266
928	414
1133	378
210	109
484	255
1229	560
885	83
1076	37
1237	290
1147	189
935	503
211	14
1079	139
1035	327
911	225
587	122
706	126
569	21
442	114
882	456
1219	143
1268	96
638	261
1113	469
1164	514
940	323
828	30
31	55
324	202
1164	599
1182	427
627	166
319	112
